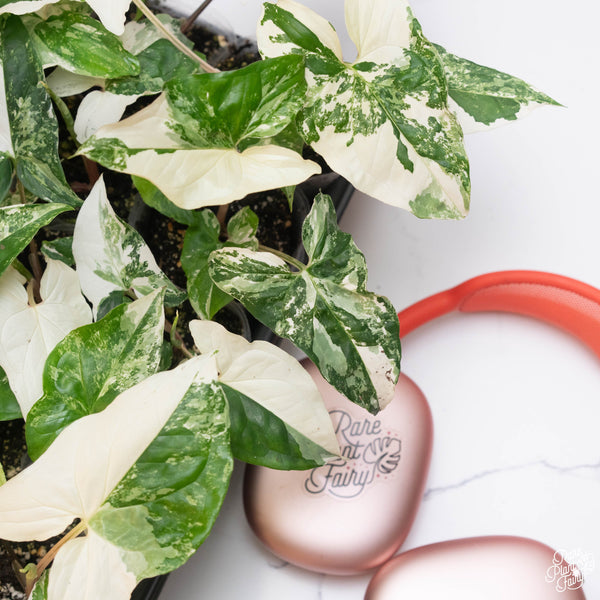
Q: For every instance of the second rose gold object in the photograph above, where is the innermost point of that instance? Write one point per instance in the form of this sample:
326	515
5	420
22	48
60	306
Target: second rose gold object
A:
351	515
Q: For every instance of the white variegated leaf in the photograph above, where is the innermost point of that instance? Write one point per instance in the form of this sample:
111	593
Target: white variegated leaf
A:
90	457
211	139
110	12
383	121
111	256
81	567
64	83
139	35
270	377
205	176
98	109
29	331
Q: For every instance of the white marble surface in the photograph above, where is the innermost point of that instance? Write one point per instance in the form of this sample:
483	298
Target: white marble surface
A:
515	402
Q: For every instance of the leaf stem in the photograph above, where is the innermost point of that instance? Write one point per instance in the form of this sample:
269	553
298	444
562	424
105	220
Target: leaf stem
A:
189	22
286	257
169	35
49	557
176	339
64	111
36	267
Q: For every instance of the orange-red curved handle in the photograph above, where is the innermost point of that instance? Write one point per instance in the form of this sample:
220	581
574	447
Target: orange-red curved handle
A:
564	302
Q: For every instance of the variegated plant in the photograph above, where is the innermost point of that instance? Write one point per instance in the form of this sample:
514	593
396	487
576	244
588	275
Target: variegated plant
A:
133	434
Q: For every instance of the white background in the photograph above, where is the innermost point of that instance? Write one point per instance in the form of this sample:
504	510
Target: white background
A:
515	402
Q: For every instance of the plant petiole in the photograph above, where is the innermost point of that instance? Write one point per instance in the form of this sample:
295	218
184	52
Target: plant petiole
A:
169	35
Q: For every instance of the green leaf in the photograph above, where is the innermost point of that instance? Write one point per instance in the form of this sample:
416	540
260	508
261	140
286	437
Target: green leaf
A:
40	591
6	174
383	121
159	63
59	249
241	229
485	96
93	365
240	108
110	302
154	198
166	505
9	407
33	125
90	458
324	308
80	44
200	240
2	476
218	132
260	437
112	256
278	418
19	224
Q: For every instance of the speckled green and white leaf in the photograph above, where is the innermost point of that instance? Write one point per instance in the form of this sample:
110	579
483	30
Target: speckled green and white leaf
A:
349	333
92	365
483	97
29	332
97	109
200	240
33	125
383	121
9	407
217	132
278	417
82	45
59	249
159	63
18	225
165	507
139	35
96	458
6	147
81	468
112	256
40	590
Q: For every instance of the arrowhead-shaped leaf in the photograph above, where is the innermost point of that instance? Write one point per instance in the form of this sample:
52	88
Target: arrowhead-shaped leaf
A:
112	256
324	309
200	240
19	224
154	464
383	121
28	332
92	365
218	132
33	126
80	44
278	418
483	97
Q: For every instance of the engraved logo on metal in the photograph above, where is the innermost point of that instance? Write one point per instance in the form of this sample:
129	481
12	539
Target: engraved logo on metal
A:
370	453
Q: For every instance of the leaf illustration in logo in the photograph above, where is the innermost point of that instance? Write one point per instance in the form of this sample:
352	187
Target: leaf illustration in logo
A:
385	452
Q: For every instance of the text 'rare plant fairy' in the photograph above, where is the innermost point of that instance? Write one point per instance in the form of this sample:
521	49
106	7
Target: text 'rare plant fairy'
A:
133	422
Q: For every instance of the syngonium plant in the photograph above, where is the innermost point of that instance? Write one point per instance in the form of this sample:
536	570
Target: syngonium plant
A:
132	449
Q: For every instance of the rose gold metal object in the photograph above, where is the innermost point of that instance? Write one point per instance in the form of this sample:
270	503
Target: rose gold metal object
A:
482	568
350	515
